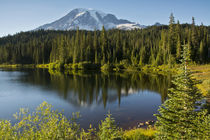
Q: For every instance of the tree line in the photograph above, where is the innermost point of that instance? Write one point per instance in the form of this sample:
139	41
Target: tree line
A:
155	45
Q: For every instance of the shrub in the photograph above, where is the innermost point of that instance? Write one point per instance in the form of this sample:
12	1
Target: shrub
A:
125	63
108	130
75	66
57	65
118	67
107	67
44	124
139	134
68	66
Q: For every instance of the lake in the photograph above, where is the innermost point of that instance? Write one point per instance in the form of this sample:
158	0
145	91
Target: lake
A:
130	97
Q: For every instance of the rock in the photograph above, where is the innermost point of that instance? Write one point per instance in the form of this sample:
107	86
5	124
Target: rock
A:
147	122
140	125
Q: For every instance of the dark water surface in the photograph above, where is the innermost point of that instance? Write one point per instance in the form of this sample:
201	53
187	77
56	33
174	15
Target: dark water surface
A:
130	97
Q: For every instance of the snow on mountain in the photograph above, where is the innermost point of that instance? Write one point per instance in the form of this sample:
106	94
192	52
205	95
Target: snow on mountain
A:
128	26
89	19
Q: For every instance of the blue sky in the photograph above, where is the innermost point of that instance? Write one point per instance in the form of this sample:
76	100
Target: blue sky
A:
23	15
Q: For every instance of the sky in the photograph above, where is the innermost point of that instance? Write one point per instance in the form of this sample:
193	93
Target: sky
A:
24	15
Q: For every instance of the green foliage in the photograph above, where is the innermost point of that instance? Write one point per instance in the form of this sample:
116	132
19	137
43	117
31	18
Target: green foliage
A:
47	124
57	65
44	124
139	134
118	67
178	118
107	67
76	66
109	130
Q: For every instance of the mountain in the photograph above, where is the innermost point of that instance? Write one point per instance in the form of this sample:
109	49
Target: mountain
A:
89	19
157	24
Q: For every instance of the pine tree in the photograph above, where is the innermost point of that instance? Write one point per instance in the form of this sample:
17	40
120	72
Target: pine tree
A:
178	48
163	47
172	35
61	49
104	45
201	52
178	41
142	56
76	47
178	118
82	48
195	43
171	23
159	60
118	47
189	45
178	29
152	60
95	45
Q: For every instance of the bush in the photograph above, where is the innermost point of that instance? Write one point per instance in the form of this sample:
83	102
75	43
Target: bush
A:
57	65
118	67
46	124
139	134
125	63
107	67
68	66
108	130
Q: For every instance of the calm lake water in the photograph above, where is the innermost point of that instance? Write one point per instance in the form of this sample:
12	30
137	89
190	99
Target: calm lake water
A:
130	97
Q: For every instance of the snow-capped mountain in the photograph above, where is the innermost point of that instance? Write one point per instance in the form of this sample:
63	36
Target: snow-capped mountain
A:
89	19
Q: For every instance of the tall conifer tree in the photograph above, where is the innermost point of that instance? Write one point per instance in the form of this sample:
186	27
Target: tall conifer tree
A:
178	118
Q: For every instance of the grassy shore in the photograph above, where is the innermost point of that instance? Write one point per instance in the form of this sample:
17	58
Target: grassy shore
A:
17	66
202	74
88	66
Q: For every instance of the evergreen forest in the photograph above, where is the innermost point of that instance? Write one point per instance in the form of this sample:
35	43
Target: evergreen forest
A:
154	45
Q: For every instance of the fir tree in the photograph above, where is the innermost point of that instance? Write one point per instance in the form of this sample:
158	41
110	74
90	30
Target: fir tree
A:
95	45
178	118
178	48
104	45
195	43
201	50
142	56
76	47
172	35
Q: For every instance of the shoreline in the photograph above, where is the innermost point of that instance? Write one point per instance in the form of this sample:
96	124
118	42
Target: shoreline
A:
162	69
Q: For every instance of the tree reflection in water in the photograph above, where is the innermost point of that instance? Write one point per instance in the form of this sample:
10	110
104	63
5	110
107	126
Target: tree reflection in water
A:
85	88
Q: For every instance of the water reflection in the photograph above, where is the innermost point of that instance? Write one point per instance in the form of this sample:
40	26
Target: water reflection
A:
131	97
83	89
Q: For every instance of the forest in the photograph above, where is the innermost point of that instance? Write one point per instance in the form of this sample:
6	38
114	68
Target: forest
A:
183	114
155	45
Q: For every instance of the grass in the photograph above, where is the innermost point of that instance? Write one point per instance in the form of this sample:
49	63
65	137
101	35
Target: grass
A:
202	74
9	66
139	133
17	66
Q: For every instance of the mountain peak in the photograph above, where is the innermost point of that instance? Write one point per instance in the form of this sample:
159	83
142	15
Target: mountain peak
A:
89	19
